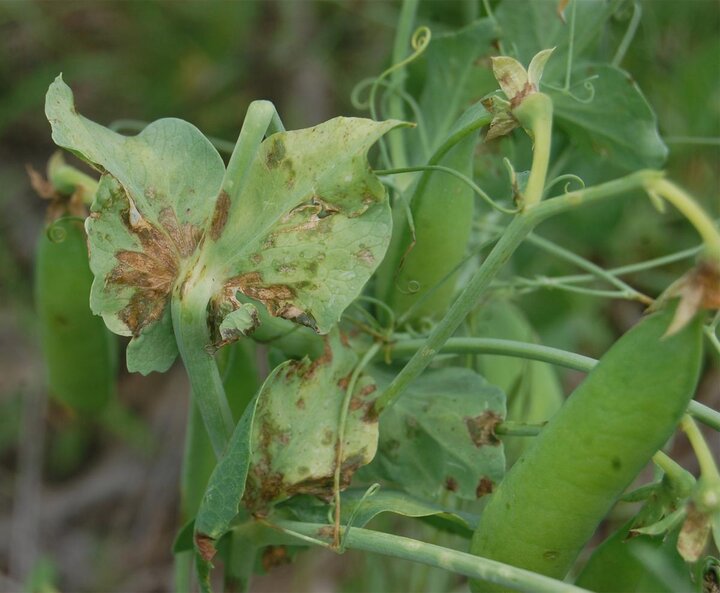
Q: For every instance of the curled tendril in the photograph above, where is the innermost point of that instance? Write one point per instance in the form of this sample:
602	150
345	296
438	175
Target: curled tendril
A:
419	43
570	178
55	231
412	287
585	83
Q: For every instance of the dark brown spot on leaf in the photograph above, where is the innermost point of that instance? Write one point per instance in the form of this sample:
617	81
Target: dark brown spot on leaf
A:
485	486
451	484
206	546
274	556
276	153
220	215
482	428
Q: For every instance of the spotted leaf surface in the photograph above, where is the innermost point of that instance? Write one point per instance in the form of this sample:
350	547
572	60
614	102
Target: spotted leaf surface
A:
295	434
439	438
311	223
302	235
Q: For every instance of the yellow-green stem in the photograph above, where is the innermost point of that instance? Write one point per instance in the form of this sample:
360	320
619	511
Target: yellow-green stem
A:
535	114
691	210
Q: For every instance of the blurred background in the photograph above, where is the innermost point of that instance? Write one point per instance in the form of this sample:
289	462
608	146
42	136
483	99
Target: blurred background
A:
92	506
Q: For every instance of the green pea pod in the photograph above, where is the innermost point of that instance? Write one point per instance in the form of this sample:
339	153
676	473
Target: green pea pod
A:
642	564
79	352
554	497
443	215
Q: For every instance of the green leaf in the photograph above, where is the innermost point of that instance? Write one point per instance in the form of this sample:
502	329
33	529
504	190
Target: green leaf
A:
530	26
361	509
438	437
295	434
221	501
454	77
617	126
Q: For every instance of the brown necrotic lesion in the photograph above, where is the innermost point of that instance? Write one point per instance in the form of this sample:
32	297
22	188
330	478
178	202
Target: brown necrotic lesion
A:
152	271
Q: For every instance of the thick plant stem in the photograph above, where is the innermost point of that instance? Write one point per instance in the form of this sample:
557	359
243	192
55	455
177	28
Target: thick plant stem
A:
189	314
451	560
516	231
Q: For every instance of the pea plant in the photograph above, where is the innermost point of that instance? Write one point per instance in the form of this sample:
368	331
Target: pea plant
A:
403	379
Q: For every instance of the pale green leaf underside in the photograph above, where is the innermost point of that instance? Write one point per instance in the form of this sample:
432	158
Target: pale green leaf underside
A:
431	440
305	233
155	197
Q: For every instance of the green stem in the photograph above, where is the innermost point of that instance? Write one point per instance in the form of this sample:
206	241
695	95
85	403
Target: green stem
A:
516	231
66	179
705	457
261	119
514	234
464	178
448	559
189	316
518	429
629	35
397	78
535	113
581	262
574	199
503	348
563	358
704	225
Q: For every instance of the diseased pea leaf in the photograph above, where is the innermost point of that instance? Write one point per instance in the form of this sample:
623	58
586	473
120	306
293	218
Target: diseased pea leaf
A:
295	434
287	441
439	436
148	217
303	235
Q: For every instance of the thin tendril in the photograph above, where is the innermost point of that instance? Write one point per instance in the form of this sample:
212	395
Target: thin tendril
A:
571	46
569	177
586	83
382	305
342	422
55	233
419	43
469	182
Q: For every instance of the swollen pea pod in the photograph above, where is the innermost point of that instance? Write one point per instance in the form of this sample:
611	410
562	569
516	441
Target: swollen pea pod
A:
79	352
554	497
